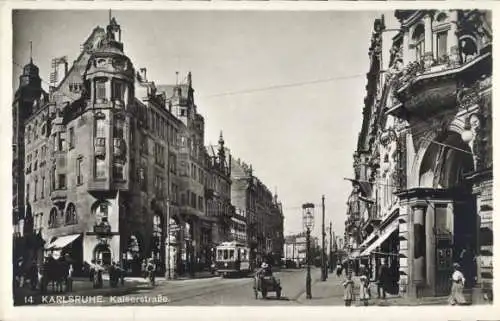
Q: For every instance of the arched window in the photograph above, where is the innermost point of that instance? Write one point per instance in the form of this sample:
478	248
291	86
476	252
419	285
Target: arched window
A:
441	17
53	218
418	41
468	48
71	214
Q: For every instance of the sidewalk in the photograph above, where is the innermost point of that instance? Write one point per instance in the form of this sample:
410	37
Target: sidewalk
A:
331	292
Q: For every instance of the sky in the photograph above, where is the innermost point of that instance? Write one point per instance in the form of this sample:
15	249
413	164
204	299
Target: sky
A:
299	132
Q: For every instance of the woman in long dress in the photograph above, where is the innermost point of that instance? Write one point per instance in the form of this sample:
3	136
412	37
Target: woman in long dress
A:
457	286
364	295
348	290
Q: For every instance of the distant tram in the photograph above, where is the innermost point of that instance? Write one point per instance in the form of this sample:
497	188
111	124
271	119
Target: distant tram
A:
232	258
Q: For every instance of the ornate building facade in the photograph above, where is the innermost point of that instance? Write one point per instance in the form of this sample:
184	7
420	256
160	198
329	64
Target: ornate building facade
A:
112	162
426	145
262	210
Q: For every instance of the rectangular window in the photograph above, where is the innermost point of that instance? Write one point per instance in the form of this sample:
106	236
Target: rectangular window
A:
53	179
419	50
71	138
442	49
100	168
193	200
79	177
100	89
28	192
100	127
62	181
54	142
62	142
118	90
43	188
200	203
117	171
118	128
36	190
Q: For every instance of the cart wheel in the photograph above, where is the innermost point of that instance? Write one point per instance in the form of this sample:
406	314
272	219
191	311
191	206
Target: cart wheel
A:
278	293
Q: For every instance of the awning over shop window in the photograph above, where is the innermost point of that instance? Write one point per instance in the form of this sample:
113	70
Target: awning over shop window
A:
383	236
368	240
62	241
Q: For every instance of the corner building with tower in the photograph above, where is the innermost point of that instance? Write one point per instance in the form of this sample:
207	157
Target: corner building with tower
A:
107	164
422	190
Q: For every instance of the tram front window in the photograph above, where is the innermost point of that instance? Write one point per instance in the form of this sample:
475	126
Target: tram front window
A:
226	254
231	254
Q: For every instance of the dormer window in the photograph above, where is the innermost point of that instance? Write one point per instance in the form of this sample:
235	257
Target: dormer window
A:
418	42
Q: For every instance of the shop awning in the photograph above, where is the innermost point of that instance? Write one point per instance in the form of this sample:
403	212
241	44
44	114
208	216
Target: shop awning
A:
370	238
62	241
384	235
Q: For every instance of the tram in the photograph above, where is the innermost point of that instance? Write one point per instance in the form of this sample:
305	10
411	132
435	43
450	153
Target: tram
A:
232	258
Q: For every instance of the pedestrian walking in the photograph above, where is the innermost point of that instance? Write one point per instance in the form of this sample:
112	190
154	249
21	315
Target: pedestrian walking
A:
364	289
143	269
457	286
69	280
339	270
382	279
348	290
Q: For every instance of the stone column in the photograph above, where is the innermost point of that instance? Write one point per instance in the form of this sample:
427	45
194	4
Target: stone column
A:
430	249
428	52
453	39
406	47
419	243
404	249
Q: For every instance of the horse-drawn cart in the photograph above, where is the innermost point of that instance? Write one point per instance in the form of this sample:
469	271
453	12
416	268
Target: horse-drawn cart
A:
266	284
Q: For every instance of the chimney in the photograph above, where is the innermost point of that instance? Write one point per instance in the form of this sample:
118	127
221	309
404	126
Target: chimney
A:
143	74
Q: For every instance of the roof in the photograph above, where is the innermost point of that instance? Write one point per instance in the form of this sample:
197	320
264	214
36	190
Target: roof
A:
169	90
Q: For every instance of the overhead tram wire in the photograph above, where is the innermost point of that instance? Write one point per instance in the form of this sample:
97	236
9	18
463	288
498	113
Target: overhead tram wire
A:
304	83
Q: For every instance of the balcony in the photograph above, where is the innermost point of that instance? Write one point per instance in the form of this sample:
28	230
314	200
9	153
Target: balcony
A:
100	147
425	89
59	195
118	148
102	229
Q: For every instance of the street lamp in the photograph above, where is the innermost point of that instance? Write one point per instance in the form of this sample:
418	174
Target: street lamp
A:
308	221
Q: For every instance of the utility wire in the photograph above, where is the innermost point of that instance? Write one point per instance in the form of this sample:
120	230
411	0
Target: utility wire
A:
304	83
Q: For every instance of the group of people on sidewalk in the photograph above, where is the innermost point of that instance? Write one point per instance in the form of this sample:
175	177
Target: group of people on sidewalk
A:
364	285
456	295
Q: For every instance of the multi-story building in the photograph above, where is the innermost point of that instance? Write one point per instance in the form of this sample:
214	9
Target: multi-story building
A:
263	211
427	141
27	100
218	191
115	161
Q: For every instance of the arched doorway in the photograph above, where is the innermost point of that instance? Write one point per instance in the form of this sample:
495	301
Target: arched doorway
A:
102	254
450	222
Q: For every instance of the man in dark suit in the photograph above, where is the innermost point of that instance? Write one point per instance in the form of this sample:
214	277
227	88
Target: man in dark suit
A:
382	279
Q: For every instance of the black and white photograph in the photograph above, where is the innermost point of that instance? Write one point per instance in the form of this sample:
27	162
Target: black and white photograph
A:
267	158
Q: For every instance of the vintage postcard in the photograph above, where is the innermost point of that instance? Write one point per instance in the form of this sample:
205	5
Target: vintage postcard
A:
339	157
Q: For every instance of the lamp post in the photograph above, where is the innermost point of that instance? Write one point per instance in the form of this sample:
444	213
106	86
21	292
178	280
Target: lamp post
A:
331	248
308	221
323	250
